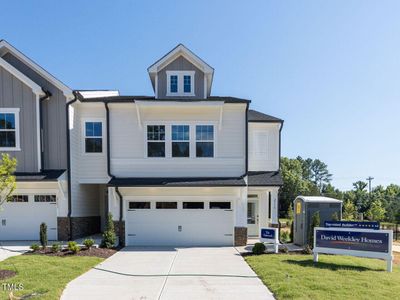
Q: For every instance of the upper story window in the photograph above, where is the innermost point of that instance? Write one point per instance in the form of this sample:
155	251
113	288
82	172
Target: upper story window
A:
204	141
180	83
155	141
180	140
9	129
93	137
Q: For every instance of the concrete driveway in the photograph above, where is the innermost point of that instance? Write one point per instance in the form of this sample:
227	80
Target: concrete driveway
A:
170	273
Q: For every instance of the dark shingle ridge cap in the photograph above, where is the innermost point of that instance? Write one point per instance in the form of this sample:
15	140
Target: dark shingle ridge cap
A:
255	116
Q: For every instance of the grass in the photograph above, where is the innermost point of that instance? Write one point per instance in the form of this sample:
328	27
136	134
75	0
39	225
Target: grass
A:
291	276
45	275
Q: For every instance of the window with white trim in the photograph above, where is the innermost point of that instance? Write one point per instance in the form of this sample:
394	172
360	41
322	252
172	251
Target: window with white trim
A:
180	140
9	129
204	140
180	83
156	141
93	137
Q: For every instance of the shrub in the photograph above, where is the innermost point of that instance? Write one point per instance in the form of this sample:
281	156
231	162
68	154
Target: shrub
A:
335	216
56	247
285	250
109	237
73	247
88	243
285	236
35	247
307	250
258	248
43	235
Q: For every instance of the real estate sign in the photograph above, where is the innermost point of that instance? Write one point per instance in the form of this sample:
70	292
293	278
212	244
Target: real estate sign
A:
270	235
356	242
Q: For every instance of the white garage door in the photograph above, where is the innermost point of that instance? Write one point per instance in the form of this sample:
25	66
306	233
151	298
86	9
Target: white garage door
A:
180	223
21	219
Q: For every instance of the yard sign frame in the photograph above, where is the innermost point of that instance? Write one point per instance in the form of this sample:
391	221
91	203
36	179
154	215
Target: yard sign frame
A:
379	255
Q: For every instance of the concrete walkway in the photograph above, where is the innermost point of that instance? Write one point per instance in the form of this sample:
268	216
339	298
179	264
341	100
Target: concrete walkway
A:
13	248
170	273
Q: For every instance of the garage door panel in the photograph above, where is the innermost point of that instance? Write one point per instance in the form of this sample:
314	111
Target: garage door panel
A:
21	221
179	227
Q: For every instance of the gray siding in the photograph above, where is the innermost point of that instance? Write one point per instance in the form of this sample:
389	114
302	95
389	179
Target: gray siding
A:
181	64
54	118
15	94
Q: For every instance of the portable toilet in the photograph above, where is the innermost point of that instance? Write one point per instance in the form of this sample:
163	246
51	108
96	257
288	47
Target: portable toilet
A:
304	208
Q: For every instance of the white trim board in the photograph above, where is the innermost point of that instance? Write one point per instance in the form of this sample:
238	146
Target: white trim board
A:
36	89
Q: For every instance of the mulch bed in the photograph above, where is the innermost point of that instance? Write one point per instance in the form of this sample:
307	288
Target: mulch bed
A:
4	274
98	252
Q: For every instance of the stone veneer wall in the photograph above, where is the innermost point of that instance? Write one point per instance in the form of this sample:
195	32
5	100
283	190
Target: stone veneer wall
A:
81	227
120	231
240	236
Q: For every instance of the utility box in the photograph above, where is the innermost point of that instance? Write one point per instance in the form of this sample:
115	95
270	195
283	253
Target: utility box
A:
304	208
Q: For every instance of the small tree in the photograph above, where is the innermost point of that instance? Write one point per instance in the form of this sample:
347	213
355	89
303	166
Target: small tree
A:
315	222
290	212
376	212
109	237
349	211
7	179
43	235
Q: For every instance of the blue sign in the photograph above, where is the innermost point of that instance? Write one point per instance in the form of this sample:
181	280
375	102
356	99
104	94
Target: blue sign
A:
353	240
267	233
352	224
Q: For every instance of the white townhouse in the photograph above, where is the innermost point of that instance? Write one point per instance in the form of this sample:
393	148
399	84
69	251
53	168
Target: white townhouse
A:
181	167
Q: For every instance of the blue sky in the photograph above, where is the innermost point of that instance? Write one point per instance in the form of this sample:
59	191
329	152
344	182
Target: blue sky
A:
330	69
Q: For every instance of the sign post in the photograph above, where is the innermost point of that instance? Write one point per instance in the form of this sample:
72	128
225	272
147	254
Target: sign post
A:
354	242
270	235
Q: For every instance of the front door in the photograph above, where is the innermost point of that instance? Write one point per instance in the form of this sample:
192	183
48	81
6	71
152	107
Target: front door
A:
252	218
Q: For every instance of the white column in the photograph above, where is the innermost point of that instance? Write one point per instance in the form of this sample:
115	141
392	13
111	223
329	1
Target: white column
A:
113	203
263	208
241	209
274	206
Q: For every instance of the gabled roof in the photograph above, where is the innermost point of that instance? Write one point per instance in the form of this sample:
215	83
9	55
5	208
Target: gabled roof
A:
256	116
6	47
181	50
33	85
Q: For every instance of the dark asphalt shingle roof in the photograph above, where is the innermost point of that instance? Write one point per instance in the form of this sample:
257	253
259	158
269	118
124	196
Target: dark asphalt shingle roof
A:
256	116
178	182
152	99
273	178
45	175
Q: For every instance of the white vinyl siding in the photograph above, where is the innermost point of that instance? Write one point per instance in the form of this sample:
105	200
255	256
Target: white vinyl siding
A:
263	146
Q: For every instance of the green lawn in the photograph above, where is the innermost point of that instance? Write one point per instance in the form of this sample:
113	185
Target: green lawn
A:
45	275
333	277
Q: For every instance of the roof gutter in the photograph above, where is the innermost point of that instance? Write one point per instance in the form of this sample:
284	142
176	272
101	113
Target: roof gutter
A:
41	100
69	163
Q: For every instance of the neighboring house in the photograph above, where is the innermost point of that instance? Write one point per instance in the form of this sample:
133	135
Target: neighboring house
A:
178	168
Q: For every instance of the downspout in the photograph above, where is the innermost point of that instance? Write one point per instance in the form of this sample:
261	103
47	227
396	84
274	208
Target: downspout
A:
69	164
279	190
247	139
41	100
109	169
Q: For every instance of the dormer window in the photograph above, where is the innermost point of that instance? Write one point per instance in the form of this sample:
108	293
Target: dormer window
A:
180	83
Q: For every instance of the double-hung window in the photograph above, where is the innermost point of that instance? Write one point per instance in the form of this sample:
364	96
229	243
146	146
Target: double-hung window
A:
93	137
9	128
187	86
180	140
173	84
156	141
204	141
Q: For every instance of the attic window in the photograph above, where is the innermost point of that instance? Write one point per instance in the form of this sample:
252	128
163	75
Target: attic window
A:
180	83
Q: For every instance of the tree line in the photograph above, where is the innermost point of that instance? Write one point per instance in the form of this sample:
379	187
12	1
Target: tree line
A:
311	177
